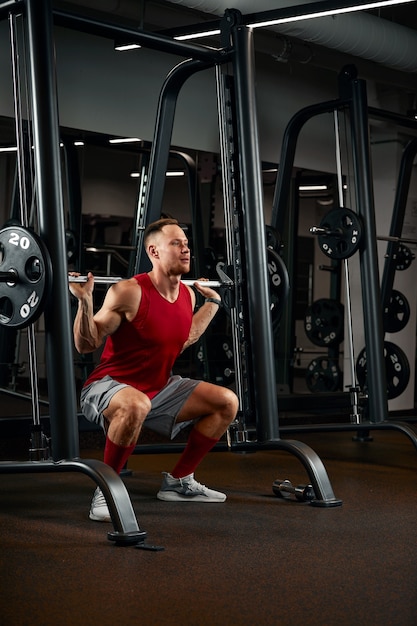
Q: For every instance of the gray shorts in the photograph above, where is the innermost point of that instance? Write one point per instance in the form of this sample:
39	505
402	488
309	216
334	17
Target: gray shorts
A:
165	406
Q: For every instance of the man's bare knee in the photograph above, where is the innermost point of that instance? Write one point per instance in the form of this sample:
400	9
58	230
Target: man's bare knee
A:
128	411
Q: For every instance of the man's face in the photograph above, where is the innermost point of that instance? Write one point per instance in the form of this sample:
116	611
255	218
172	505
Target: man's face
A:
169	249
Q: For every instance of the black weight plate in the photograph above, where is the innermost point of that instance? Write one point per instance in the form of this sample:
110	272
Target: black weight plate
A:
396	366
273	238
403	258
323	374
324	322
397	313
344	233
279	285
218	351
22	252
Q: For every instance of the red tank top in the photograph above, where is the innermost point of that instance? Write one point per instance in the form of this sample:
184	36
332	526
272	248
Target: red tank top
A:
141	353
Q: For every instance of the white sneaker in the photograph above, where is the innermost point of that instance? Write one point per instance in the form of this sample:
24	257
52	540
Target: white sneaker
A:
187	490
99	511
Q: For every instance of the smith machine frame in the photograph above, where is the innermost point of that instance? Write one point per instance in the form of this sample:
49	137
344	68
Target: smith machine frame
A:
246	230
353	100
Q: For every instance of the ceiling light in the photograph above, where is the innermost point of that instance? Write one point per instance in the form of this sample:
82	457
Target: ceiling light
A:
78	143
122	47
323	8
312	188
170	173
124	140
206	33
9	149
306	12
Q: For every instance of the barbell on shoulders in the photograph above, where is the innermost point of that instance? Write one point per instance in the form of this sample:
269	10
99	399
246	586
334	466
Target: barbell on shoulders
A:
111	280
11	278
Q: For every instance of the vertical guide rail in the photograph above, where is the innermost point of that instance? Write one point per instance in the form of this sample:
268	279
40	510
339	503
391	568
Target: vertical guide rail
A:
233	247
39	448
371	294
51	225
355	417
254	238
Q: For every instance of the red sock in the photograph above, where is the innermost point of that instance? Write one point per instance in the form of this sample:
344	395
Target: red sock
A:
197	447
115	455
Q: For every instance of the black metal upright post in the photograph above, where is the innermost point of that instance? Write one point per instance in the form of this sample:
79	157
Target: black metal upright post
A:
160	149
59	347
371	294
254	238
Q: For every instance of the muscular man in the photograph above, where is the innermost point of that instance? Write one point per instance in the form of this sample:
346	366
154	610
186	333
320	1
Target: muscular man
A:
146	322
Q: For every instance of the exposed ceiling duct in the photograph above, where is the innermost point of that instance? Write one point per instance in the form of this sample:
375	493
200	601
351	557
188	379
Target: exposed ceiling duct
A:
359	34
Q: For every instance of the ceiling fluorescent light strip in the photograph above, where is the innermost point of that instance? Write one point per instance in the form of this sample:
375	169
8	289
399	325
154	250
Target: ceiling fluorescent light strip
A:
296	14
124	140
312	188
170	174
122	47
206	33
320	11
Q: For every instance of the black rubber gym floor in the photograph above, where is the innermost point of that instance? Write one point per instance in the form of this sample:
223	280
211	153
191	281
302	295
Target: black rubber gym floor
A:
256	559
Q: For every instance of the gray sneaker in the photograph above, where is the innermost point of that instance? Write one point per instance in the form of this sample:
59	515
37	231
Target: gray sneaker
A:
187	490
99	511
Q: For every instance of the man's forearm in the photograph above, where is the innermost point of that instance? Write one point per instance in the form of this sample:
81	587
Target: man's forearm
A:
86	335
201	321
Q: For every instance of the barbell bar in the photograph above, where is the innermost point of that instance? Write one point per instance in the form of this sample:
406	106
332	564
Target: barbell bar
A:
12	278
110	280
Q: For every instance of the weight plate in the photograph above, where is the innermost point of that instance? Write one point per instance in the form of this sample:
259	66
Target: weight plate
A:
396	366
344	233
23	253
218	351
273	238
279	285
403	258
324	321
397	313
323	374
